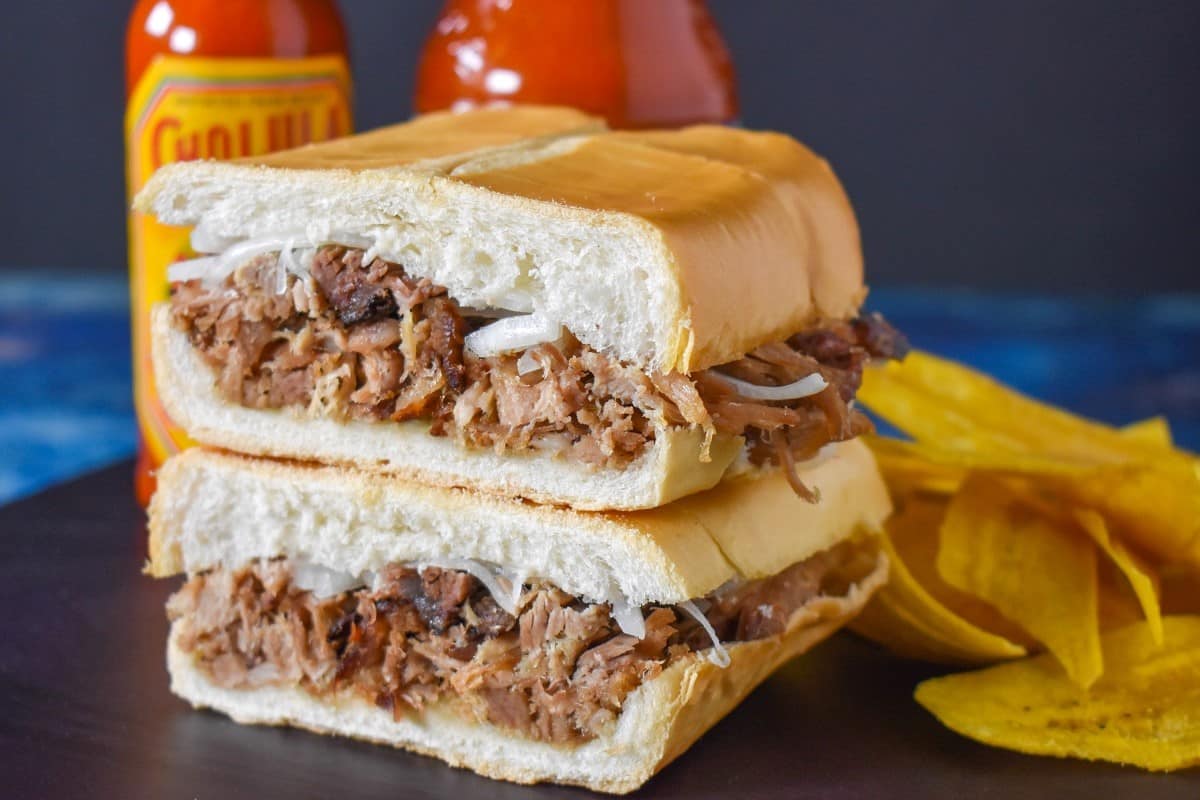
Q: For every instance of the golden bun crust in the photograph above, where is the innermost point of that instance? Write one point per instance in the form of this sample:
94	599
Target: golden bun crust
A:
675	250
758	231
658	722
215	508
438	135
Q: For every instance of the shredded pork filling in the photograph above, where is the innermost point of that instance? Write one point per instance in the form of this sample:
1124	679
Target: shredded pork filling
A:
355	340
557	671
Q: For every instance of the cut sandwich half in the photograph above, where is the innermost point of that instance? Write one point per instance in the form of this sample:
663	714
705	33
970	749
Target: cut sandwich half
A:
519	301
526	643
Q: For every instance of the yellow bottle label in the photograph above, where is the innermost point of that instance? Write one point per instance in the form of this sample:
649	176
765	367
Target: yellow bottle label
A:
189	108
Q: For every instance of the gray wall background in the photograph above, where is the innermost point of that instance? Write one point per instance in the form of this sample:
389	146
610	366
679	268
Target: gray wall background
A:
1050	144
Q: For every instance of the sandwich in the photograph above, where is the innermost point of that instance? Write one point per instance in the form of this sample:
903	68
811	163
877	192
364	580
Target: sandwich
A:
387	346
522	302
528	643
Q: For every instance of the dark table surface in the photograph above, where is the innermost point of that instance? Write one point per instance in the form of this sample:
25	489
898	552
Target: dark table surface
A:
86	711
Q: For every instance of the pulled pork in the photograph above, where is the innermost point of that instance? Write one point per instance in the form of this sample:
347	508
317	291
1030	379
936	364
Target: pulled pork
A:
355	340
559	671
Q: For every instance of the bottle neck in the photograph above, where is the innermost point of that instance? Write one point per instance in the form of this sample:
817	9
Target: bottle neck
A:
218	28
677	68
638	63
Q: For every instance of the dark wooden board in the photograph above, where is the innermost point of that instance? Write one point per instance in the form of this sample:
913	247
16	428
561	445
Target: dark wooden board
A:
86	712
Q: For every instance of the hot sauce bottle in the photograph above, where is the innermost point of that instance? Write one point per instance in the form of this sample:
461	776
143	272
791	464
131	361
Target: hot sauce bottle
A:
638	63
215	79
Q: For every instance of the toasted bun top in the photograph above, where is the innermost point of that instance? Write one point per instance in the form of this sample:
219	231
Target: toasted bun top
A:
442	136
675	250
215	508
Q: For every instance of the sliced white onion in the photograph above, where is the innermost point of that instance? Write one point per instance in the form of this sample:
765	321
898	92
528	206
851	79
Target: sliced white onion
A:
322	581
287	259
511	334
517	300
555	444
192	269
282	267
718	655
347	239
250	249
218	268
805	387
518	589
232	254
505	596
629	617
506	590
204	241
527	363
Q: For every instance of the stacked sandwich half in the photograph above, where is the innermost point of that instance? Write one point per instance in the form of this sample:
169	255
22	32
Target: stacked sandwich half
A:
523	444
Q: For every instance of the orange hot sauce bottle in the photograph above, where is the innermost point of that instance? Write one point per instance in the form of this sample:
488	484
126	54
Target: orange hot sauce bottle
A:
638	63
215	79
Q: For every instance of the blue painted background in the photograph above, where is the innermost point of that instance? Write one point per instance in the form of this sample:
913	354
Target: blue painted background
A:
66	404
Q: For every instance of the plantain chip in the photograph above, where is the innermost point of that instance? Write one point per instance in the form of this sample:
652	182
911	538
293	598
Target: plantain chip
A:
920	466
1157	431
1154	431
980	413
1141	576
1155	507
915	538
907	468
961	418
1144	711
908	620
1036	571
926	417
